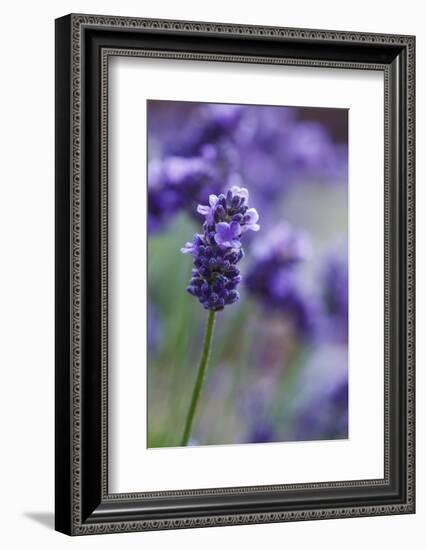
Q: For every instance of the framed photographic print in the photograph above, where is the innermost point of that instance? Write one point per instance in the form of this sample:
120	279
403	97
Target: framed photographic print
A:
234	274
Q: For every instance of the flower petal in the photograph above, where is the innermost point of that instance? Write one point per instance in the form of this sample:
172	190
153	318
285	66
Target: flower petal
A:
213	200
204	210
253	215
223	232
188	248
235	229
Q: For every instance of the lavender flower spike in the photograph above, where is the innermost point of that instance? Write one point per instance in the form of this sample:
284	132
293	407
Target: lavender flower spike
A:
218	249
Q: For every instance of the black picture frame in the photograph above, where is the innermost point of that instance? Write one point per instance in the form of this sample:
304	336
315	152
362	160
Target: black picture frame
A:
83	45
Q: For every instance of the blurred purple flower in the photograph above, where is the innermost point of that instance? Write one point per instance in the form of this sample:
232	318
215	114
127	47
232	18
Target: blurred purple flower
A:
282	247
206	131
314	155
266	146
286	295
260	140
277	151
321	408
210	124
272	278
192	164
174	183
310	146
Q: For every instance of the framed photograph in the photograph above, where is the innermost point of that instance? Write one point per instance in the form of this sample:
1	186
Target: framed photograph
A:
234	274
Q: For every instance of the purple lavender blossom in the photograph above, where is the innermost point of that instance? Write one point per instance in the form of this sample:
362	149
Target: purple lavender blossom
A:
217	250
272	277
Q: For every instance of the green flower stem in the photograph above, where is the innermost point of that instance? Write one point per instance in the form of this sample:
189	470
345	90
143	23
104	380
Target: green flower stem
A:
201	375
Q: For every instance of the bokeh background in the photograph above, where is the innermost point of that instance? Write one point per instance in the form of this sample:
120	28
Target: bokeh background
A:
279	364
